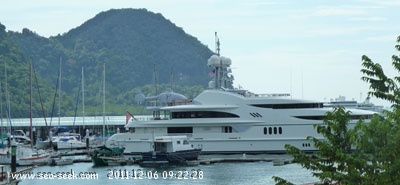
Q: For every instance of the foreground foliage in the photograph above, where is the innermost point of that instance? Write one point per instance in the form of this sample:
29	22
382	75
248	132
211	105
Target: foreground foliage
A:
369	152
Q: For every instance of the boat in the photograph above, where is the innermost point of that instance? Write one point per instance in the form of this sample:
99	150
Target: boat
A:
25	155
64	137
227	120
32	157
68	141
365	105
170	150
104	156
19	136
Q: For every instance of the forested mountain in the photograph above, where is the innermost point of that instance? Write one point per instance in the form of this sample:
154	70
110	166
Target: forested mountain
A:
133	44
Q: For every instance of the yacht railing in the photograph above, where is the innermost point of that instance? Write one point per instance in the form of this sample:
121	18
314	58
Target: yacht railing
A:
278	95
247	93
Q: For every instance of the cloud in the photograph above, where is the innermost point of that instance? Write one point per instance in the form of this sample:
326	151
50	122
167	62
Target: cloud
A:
259	3
381	38
339	11
368	19
383	2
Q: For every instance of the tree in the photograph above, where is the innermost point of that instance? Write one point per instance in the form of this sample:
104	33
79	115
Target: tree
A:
334	163
369	152
382	86
379	141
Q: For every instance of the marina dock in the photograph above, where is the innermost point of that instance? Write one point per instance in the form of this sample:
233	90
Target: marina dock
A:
276	162
203	159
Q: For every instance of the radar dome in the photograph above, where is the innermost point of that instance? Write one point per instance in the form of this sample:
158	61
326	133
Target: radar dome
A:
226	61
168	97
213	61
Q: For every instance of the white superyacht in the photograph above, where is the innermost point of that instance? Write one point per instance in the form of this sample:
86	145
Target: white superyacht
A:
227	120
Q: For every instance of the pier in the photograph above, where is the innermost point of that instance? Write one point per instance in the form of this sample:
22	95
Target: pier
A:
276	162
203	159
75	124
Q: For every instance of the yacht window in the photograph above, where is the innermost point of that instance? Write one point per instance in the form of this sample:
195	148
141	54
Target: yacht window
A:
227	129
173	130
162	147
185	142
275	130
265	130
322	117
270	130
290	105
203	114
280	130
178	142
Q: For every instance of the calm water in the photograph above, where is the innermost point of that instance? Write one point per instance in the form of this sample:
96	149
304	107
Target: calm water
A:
217	173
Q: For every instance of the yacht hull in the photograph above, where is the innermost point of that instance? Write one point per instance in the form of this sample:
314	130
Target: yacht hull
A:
156	159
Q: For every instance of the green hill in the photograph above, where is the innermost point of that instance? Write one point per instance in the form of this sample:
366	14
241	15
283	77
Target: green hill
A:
130	42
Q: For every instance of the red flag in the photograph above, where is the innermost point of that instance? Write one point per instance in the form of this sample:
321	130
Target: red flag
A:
128	117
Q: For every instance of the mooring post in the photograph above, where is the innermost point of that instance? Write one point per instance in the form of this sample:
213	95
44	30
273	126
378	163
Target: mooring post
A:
34	137
13	158
87	139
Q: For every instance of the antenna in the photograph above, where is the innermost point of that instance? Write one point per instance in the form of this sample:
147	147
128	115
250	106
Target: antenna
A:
218	69
217	44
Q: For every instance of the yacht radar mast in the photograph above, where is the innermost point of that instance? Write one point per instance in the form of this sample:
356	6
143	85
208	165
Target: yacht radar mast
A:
217	44
220	65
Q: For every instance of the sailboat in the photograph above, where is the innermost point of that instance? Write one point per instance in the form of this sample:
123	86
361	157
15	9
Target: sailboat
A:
64	140
104	156
26	155
93	140
49	142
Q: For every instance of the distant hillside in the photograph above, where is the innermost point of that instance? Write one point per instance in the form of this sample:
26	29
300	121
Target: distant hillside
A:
130	42
15	81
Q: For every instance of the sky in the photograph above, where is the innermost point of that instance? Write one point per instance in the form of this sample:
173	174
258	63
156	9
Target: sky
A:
310	49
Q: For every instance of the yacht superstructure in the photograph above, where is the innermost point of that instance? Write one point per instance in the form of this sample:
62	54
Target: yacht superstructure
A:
226	120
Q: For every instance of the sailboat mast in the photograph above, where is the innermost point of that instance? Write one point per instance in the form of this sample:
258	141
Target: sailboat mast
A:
104	100
8	98
30	101
157	112
83	100
1	111
155	80
59	95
